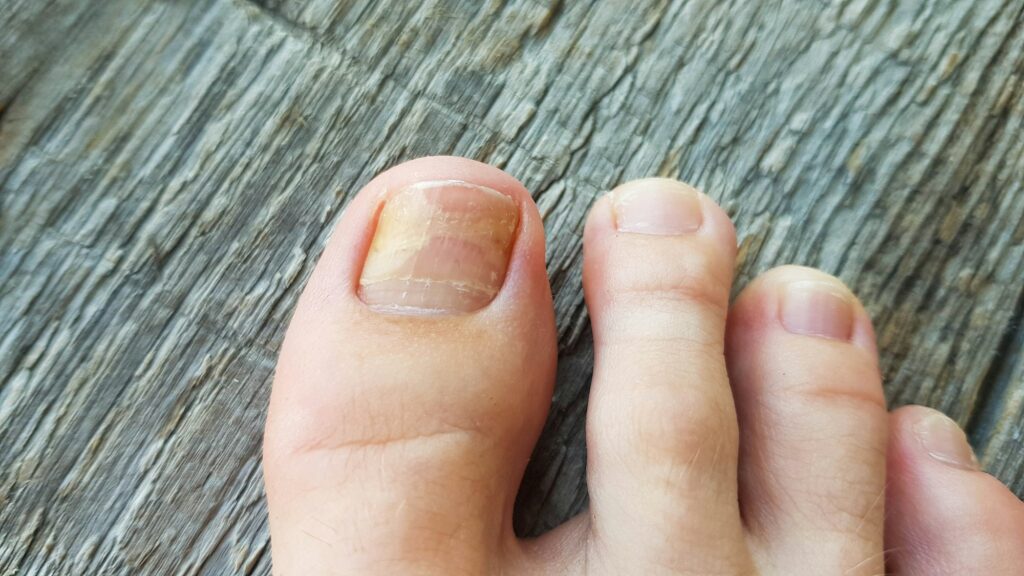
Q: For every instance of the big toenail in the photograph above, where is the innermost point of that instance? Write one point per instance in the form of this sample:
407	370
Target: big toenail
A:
816	308
945	441
441	247
656	206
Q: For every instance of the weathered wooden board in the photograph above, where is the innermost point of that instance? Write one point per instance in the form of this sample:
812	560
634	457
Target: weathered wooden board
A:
170	169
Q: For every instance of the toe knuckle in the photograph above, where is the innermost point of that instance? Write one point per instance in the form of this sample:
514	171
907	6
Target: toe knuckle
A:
693	279
691	429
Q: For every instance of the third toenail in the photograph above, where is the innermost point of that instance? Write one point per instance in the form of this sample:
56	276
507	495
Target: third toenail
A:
945	441
816	308
658	207
440	247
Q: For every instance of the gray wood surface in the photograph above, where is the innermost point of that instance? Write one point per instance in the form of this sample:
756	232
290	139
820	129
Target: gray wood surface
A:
170	169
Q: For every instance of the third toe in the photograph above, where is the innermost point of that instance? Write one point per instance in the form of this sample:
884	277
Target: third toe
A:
804	371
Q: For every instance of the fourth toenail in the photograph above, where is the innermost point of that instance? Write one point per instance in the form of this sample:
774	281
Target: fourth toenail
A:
440	247
658	207
945	441
816	308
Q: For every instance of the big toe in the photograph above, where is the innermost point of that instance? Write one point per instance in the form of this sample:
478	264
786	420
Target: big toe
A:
413	380
946	517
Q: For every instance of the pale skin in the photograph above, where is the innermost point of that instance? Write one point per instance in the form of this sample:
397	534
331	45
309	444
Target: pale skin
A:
739	438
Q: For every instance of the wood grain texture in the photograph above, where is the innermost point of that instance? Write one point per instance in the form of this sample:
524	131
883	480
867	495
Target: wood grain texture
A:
170	170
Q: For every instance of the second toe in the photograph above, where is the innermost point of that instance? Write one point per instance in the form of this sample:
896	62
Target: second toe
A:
661	428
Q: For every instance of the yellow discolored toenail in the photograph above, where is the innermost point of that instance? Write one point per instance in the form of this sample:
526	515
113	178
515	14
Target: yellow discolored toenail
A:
441	247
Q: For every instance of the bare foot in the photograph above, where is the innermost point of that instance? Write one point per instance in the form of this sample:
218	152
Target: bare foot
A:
418	368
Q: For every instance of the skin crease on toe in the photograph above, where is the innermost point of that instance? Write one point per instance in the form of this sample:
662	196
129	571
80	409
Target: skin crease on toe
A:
419	364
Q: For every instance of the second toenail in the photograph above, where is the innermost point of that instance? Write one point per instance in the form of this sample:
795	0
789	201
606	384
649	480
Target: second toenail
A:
816	308
440	247
657	206
945	441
